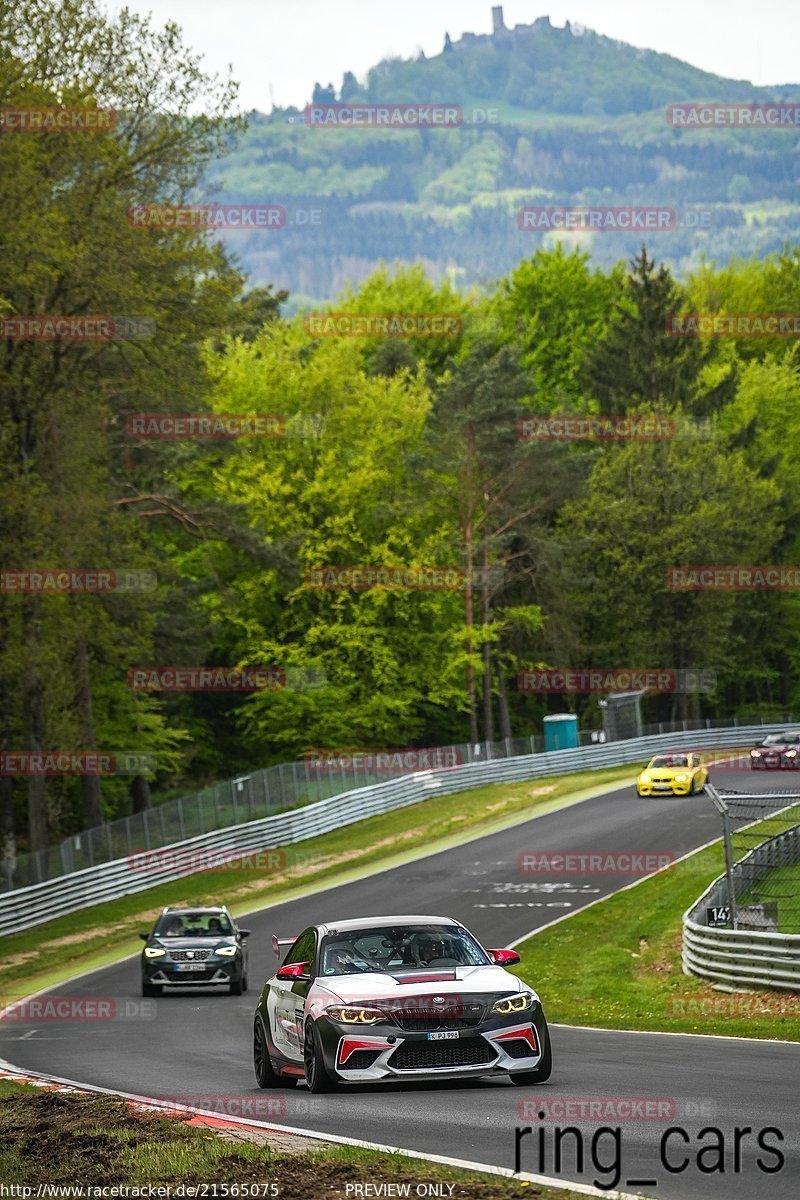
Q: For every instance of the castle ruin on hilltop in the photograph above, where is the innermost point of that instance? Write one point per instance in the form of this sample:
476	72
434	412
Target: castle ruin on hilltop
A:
501	33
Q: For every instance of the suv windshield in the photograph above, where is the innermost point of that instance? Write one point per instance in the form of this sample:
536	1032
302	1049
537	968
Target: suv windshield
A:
399	947
193	924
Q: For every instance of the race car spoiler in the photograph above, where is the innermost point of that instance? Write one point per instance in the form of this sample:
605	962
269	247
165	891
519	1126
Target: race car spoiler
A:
278	942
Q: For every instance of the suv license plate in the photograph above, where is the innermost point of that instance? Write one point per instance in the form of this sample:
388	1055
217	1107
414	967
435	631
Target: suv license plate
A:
444	1036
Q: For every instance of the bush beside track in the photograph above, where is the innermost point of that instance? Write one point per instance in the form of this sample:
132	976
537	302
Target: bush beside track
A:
49	1137
105	933
617	965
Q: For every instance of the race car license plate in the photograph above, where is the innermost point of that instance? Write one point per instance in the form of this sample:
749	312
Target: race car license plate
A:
186	966
444	1035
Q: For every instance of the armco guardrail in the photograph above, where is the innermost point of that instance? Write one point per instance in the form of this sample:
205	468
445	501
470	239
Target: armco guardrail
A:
744	957
29	906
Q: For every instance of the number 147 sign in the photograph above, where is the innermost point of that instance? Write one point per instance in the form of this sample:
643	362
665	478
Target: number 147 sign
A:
719	914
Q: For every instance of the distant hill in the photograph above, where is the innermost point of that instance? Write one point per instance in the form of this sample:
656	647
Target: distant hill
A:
574	118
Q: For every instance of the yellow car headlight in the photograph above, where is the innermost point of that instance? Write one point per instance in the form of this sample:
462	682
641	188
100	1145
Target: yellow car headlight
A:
354	1016
226	951
644	777
514	1004
153	952
682	778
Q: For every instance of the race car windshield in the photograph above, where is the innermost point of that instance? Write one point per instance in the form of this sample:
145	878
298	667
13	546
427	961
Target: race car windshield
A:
670	760
193	925
397	948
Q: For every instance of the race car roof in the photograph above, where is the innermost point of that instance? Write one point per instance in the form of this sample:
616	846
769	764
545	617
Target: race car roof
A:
377	922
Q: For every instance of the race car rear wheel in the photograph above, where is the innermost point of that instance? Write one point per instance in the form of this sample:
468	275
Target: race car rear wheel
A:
317	1077
542	1072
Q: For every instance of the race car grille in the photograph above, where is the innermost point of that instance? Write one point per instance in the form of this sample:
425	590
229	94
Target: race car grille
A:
422	1022
360	1060
189	955
421	1056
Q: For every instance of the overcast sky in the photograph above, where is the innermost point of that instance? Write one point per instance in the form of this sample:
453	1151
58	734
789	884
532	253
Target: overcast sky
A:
286	45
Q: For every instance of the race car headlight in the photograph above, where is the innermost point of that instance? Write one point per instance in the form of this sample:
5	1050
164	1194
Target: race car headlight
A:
791	754
681	778
153	952
226	951
514	1004
354	1016
644	777
755	754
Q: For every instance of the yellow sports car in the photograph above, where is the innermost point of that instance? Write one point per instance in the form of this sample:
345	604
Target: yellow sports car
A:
679	774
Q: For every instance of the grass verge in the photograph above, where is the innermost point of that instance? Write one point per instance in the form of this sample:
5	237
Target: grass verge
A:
96	936
49	1137
617	965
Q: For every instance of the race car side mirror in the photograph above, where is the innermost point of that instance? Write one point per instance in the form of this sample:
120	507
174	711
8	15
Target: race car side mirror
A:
504	958
294	971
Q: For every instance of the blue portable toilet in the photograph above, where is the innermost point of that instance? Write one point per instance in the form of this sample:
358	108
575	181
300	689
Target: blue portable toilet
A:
561	732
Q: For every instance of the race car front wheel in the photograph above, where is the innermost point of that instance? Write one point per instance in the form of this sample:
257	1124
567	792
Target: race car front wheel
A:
542	1073
266	1076
317	1077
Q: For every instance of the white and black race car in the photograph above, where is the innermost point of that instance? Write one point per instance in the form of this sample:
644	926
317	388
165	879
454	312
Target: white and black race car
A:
389	998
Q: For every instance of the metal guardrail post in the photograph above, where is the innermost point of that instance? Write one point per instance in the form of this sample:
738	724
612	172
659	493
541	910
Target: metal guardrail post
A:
726	833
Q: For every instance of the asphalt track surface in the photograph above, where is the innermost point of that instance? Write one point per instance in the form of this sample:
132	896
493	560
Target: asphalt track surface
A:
198	1044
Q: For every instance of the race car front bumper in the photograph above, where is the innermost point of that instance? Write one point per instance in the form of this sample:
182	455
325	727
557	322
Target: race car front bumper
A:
384	1051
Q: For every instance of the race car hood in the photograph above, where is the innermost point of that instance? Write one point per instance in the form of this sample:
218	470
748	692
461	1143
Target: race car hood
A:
664	773
414	982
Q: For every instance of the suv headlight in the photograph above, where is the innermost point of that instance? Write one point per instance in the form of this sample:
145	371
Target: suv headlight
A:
153	952
354	1016
514	1004
226	951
